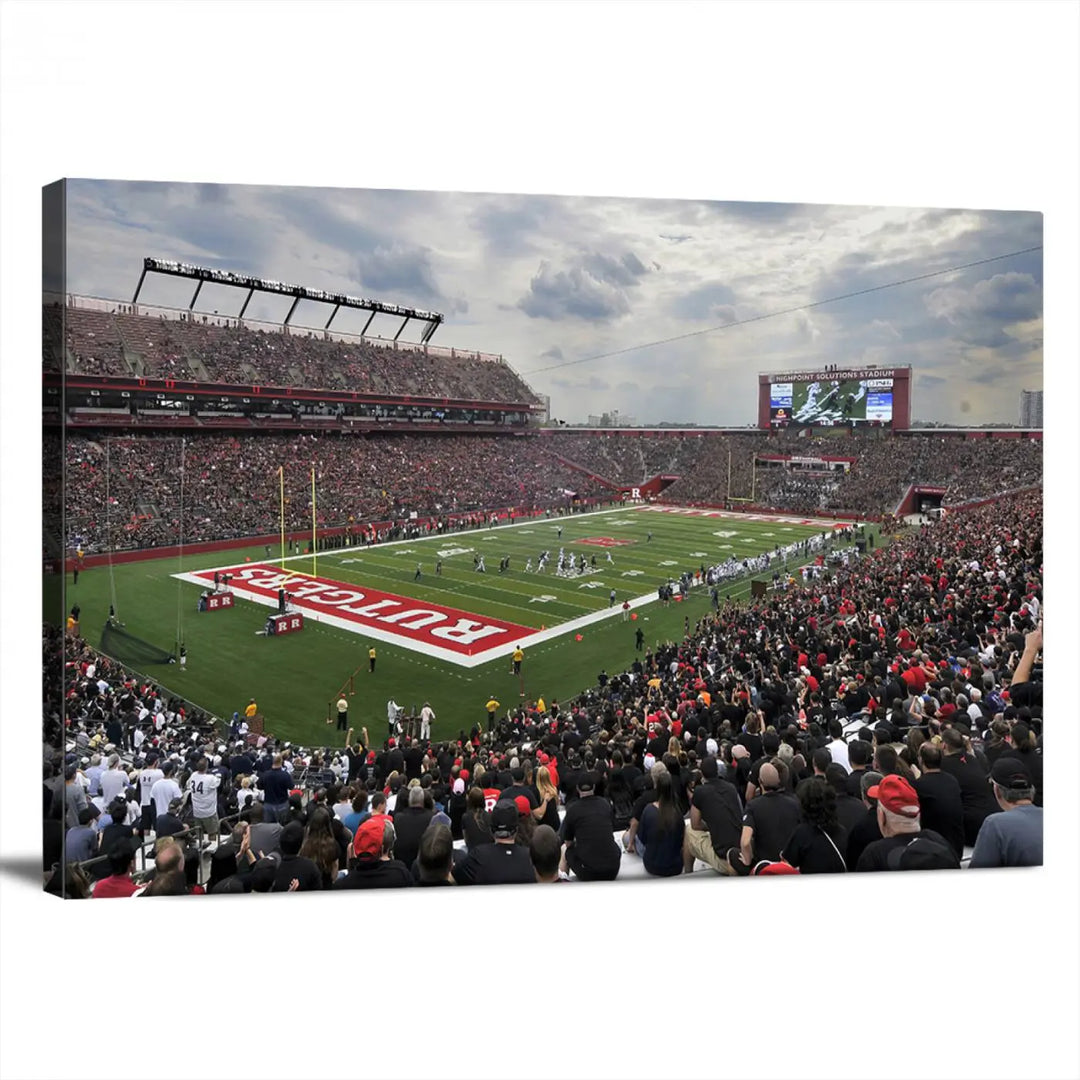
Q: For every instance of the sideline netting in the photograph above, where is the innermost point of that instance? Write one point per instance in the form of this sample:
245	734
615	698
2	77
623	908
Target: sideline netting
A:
117	643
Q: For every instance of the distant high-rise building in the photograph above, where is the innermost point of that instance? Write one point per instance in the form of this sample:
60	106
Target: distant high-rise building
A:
1031	405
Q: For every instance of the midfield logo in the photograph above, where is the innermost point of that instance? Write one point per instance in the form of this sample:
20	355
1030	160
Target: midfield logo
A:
420	625
446	553
604	541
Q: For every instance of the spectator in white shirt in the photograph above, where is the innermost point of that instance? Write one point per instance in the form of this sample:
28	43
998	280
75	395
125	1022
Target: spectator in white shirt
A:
113	780
427	714
836	746
202	788
163	791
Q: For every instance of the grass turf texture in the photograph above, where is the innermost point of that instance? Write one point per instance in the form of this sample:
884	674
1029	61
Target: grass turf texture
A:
294	677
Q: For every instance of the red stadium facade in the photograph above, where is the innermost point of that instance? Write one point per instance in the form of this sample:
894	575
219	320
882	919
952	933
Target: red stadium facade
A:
784	395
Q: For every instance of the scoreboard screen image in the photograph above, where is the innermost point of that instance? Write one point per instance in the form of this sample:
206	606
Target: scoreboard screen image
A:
831	402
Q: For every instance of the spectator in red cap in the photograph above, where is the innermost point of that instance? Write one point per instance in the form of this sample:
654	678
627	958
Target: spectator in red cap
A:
1015	837
905	845
373	865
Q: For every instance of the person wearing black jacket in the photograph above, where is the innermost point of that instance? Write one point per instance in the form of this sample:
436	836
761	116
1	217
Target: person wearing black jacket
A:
293	865
409	824
715	821
975	791
849	810
275	785
866	831
476	821
1025	749
940	798
414	759
587	832
502	862
456	806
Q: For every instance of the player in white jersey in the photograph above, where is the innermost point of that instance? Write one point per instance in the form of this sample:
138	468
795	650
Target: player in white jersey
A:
528	565
480	569
807	410
609	558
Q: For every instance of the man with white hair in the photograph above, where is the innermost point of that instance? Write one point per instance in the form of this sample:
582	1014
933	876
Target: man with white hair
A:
975	710
410	822
93	776
1014	838
905	845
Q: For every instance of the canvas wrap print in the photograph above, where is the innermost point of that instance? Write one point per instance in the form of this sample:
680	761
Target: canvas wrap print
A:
409	539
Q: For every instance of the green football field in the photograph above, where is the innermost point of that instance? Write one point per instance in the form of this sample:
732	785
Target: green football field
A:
294	677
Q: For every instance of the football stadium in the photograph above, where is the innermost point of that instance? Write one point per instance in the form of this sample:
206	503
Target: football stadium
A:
345	609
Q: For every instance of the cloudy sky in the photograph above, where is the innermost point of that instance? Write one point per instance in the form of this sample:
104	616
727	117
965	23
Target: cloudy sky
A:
547	281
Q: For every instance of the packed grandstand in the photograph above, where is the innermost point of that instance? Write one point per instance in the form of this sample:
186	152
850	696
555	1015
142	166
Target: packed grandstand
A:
887	715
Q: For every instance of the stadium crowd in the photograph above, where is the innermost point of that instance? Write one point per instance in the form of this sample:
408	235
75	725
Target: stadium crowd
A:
884	468
231	486
231	480
99	342
885	715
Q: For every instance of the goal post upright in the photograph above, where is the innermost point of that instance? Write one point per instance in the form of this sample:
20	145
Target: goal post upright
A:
281	480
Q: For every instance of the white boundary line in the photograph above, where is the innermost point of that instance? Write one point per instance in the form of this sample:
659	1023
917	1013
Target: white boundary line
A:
493	651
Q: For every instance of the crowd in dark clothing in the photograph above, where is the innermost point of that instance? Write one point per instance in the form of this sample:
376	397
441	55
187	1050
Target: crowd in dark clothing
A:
886	715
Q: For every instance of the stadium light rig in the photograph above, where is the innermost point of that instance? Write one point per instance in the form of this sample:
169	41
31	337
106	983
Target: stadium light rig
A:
202	274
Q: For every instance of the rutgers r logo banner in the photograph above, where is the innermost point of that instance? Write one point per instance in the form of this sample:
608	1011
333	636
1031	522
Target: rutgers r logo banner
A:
458	636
